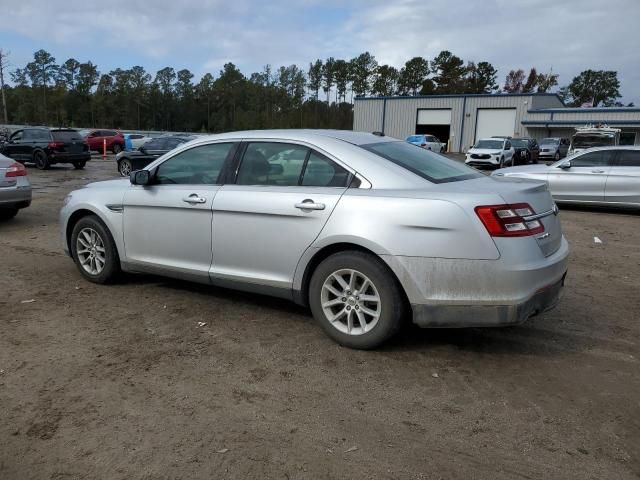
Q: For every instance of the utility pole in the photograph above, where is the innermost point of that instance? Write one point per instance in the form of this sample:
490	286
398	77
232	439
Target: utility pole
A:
3	56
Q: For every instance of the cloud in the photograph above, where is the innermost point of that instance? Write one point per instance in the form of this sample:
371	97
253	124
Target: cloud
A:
202	35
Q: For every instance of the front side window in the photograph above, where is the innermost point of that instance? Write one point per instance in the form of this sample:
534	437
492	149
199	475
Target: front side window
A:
429	165
507	146
629	158
592	159
17	135
266	163
199	165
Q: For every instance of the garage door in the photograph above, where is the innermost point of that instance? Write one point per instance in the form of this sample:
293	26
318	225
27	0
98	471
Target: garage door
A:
434	117
494	122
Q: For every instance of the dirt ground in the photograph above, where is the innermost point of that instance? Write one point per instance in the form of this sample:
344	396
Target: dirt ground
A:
121	382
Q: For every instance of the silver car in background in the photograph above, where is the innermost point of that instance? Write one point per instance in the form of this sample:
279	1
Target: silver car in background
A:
15	189
605	176
366	230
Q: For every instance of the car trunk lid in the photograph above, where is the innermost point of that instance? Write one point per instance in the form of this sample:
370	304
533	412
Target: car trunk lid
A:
536	194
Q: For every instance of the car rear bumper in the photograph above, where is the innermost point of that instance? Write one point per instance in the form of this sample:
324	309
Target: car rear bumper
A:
469	293
69	157
18	196
456	316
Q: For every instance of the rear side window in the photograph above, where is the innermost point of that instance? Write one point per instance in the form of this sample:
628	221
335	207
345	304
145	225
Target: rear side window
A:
272	164
629	158
323	172
37	135
592	159
66	136
431	166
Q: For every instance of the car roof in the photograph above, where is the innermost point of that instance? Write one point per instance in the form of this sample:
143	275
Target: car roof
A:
492	138
349	136
613	147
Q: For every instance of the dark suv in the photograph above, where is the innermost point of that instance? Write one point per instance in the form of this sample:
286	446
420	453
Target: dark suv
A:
44	147
526	149
129	161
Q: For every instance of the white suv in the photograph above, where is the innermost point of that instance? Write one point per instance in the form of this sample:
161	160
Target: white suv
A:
490	152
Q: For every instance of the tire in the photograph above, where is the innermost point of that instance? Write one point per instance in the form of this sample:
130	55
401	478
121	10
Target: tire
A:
441	149
125	167
41	160
556	157
8	213
388	310
95	235
79	165
116	148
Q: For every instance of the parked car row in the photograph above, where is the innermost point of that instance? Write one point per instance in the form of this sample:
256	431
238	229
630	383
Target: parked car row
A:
605	176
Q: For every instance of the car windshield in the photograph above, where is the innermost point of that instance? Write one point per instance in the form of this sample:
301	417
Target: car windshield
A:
518	142
550	141
493	144
592	140
415	138
66	136
432	166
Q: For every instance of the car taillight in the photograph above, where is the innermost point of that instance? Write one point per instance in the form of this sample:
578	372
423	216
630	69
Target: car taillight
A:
16	170
509	220
55	144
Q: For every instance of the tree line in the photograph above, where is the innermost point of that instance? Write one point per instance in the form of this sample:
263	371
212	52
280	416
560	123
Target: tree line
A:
77	94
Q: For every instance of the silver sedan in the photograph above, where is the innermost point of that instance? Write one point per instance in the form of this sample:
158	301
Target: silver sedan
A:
606	176
366	230
15	189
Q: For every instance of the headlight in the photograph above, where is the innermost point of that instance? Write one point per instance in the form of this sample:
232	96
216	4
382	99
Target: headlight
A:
496	153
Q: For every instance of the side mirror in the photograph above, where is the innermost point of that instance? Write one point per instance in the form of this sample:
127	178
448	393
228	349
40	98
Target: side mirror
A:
140	177
566	165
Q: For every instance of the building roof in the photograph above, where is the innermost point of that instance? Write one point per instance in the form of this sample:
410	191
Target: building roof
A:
461	95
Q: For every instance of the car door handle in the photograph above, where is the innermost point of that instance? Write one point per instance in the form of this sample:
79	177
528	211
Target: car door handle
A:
309	204
597	171
194	198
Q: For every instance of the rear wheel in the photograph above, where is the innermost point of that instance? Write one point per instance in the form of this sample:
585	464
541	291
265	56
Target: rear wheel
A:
356	299
8	213
94	251
124	167
116	148
79	165
556	157
41	160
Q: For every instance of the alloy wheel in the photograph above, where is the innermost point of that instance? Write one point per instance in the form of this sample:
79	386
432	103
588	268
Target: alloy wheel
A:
351	302
90	251
125	168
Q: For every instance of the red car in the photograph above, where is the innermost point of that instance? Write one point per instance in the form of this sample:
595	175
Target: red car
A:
96	138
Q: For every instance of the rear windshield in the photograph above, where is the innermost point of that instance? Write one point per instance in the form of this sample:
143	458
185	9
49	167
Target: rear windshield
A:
593	140
415	138
518	142
432	166
66	136
550	141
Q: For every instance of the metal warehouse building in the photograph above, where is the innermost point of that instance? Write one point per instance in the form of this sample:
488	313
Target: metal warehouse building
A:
462	119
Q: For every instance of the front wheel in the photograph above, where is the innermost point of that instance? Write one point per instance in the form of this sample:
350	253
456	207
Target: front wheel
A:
124	167
41	160
94	251
556	157
356	299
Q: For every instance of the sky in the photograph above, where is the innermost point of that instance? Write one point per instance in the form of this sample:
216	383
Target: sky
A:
567	36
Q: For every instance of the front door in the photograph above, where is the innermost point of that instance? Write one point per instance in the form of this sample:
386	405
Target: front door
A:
585	180
17	148
283	196
167	225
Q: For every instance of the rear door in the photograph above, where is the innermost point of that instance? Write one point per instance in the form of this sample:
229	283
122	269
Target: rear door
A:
283	195
585	180
623	182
